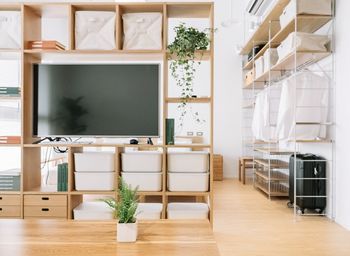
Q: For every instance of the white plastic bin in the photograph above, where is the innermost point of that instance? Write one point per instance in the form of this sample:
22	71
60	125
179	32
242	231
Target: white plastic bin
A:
187	211
147	181
259	66
94	162
94	181
149	211
95	30
313	7
300	41
195	161
198	182
270	58
93	211
142	31
142	161
10	29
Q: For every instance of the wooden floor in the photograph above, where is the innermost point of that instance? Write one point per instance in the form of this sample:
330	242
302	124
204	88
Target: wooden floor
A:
247	223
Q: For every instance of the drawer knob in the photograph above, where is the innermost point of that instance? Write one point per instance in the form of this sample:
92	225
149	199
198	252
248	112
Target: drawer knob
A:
0	209
45	198
0	197
45	209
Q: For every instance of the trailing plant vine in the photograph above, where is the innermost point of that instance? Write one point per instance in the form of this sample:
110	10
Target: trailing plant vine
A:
183	50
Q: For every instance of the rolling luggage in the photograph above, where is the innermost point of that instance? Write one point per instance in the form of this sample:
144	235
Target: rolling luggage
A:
310	182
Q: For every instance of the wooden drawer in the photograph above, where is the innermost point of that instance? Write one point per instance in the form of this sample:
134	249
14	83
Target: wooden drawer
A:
45	200
218	167
10	211
48	212
10	200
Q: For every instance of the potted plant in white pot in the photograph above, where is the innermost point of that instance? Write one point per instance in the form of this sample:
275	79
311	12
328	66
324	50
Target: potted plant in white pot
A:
125	212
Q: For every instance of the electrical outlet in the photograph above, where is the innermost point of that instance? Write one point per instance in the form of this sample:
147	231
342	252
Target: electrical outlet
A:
189	133
199	133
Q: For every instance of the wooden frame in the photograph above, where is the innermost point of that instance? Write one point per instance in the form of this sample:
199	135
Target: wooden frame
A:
32	14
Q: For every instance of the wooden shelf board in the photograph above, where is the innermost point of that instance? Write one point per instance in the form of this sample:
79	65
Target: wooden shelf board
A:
78	145
274	175
274	151
188	146
6	192
189	10
2	50
302	58
10	145
189	100
256	86
262	32
199	55
274	164
51	189
267	76
10	7
92	192
186	193
266	191
312	141
10	97
150	193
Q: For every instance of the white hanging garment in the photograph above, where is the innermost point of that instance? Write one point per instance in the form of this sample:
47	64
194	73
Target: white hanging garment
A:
304	99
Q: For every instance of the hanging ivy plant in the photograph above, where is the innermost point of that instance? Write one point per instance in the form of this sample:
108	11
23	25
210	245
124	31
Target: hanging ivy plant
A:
183	51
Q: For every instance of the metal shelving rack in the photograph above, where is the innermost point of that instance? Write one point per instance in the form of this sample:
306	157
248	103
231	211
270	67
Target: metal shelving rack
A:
271	159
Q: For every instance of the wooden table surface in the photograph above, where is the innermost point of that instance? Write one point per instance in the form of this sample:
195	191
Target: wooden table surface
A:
63	238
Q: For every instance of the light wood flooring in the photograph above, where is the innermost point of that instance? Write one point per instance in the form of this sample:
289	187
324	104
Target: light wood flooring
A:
247	223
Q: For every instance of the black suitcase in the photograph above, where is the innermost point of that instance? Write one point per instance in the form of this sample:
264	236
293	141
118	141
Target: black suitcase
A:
312	169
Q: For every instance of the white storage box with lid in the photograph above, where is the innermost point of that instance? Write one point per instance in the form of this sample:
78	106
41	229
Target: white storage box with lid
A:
194	161
198	182
187	211
95	30
299	41
94	181
147	181
149	211
94	162
142	161
93	211
270	58
312	7
259	66
142	31
10	29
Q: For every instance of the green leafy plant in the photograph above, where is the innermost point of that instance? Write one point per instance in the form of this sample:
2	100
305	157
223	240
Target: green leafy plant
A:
125	208
183	50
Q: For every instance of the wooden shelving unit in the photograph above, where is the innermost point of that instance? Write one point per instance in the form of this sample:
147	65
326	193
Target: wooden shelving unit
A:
31	28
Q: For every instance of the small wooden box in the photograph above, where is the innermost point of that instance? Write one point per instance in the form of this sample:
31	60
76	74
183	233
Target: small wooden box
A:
249	77
218	167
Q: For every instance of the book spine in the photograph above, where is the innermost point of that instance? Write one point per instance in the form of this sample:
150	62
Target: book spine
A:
59	177
169	135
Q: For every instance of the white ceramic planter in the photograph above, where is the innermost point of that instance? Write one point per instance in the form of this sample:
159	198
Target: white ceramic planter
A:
126	232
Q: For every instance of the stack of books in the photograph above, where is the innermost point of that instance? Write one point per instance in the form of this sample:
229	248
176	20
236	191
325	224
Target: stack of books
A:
46	45
62	177
10	180
10	139
10	91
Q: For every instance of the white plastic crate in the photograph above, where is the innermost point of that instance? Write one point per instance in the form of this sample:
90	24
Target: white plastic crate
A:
149	211
94	181
142	161
187	211
300	41
270	58
259	66
194	161
93	211
313	7
146	181
95	30
94	162
198	182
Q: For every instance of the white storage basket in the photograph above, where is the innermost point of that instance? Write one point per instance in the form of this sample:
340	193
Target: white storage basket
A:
142	31
187	211
313	7
259	66
95	30
149	211
198	182
94	162
299	41
145	181
270	58
93	211
195	161
10	29
94	181
142	161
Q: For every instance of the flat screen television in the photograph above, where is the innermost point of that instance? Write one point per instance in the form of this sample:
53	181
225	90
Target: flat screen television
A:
102	100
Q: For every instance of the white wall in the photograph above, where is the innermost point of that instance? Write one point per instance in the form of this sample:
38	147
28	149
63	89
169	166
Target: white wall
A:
342	116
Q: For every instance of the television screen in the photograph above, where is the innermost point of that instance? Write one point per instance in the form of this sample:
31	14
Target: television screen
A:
96	100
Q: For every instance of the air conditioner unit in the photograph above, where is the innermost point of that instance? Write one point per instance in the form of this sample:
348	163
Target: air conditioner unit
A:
259	7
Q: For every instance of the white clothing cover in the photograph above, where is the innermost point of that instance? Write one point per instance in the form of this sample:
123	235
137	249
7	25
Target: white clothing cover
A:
142	31
10	29
95	30
300	41
304	99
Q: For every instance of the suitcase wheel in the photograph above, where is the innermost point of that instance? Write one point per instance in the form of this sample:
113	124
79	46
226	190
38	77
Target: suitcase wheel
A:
300	211
290	205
